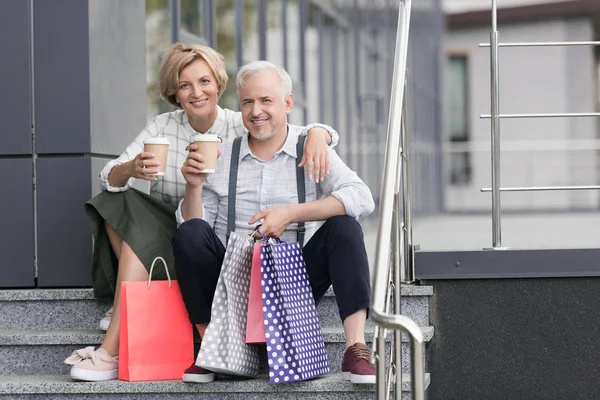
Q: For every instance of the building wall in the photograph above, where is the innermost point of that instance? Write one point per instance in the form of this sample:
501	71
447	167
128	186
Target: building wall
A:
80	99
84	77
535	152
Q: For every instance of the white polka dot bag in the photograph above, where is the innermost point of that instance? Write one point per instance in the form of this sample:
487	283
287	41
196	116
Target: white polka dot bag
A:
223	348
295	345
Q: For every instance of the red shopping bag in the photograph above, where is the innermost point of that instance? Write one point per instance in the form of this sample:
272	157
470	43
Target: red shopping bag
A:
156	336
255	327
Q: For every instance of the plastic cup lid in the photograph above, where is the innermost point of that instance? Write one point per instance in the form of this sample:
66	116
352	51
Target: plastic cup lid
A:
157	140
205	138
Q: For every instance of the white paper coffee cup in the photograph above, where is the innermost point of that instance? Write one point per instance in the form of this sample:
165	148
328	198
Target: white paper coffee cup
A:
208	146
160	147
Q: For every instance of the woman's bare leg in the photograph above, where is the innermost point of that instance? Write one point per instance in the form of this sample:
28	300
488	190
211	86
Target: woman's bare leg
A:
201	329
130	268
114	238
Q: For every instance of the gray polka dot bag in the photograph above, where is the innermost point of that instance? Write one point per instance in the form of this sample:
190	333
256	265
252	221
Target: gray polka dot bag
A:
224	349
295	345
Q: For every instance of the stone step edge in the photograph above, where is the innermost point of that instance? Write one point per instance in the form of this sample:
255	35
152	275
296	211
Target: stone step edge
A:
50	337
88	293
62	384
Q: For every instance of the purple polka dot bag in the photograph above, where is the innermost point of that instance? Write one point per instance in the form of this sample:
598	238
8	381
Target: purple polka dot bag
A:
295	345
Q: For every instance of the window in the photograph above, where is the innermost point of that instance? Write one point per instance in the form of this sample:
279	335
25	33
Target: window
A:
457	111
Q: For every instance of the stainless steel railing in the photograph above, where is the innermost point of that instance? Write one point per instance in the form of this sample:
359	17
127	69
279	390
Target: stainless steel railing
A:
396	170
495	117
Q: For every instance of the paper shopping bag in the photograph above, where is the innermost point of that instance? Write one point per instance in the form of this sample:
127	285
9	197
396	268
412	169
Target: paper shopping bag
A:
295	345
156	335
255	327
224	347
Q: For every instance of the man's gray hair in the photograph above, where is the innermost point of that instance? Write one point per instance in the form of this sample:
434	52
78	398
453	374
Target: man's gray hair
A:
259	66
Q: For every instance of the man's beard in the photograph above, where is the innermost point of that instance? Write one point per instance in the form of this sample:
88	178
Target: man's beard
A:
262	136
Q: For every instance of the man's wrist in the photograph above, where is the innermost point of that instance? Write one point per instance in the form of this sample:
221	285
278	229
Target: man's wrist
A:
292	210
190	187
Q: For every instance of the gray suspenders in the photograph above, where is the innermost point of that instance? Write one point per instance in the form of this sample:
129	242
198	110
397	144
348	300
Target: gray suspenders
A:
233	173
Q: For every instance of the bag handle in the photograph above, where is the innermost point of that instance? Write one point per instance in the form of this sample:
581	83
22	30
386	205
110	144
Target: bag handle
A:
152	269
269	240
260	233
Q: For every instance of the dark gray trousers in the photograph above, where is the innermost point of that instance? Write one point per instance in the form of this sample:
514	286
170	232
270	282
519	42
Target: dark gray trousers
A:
335	255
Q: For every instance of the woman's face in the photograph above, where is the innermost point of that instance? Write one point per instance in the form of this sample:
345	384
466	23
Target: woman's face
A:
198	91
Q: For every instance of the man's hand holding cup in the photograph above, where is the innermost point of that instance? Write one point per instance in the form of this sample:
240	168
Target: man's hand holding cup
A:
201	160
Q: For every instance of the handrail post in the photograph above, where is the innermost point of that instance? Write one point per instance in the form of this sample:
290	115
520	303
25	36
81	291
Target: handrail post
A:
398	260
495	131
381	387
407	273
417	349
386	205
383	244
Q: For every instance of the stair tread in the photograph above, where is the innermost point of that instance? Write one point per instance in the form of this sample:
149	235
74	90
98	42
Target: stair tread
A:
18	337
88	293
52	384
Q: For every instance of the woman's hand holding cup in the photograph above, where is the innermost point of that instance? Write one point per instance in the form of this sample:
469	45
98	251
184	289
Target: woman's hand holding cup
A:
145	166
152	162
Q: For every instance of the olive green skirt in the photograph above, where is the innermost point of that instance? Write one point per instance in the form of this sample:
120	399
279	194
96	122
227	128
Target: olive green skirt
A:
145	223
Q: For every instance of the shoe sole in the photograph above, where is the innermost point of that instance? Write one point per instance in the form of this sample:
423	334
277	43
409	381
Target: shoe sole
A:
360	379
198	378
104	323
93	376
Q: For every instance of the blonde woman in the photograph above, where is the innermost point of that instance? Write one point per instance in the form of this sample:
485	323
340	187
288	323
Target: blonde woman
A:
131	228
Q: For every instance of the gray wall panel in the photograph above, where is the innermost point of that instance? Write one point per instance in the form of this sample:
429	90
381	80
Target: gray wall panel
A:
15	135
501	339
16	223
62	98
64	235
117	73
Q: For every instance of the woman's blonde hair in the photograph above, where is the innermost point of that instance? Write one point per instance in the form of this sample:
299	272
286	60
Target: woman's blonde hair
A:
177	57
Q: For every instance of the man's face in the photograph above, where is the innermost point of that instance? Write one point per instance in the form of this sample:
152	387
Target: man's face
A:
264	108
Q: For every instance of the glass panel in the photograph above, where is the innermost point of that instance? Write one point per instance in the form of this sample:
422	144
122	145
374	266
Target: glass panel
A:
313	82
191	16
158	38
458	113
226	44
274	32
457	97
342	94
294	60
250	34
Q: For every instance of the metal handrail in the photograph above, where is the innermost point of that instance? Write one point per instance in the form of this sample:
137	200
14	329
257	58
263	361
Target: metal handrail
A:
495	117
495	129
392	173
544	115
542	44
542	188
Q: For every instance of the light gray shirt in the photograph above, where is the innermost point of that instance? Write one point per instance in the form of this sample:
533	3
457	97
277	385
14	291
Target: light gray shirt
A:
266	184
175	127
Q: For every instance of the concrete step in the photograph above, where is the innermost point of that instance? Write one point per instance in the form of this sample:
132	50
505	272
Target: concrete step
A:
415	305
51	309
54	387
27	352
77	308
